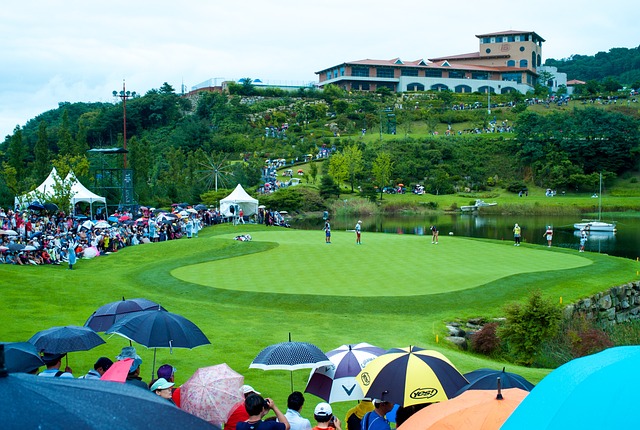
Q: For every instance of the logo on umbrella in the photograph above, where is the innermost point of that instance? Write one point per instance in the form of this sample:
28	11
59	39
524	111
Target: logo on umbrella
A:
364	377
423	393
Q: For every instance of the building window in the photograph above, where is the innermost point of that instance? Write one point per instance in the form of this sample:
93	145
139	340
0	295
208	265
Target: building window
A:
341	71
409	72
480	75
335	73
414	86
462	89
433	73
514	77
360	71
524	63
511	39
328	75
511	63
364	87
384	72
488	51
456	74
386	85
522	49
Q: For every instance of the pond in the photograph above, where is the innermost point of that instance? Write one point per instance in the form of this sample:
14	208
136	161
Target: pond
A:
624	243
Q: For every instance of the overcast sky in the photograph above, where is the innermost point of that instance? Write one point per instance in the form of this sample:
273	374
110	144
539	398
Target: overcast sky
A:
80	51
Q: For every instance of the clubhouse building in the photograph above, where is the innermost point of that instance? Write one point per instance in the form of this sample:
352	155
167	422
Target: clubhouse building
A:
507	61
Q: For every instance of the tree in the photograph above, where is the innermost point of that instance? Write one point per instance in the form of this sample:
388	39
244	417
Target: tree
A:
313	171
328	187
353	162
65	141
338	168
381	170
15	152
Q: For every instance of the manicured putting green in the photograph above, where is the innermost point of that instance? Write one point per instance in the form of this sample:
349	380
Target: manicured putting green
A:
384	265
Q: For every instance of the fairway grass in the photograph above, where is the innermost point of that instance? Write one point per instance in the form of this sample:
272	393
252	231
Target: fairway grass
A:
303	264
420	288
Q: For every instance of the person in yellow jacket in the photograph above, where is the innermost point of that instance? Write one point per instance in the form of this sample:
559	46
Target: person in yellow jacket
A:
355	414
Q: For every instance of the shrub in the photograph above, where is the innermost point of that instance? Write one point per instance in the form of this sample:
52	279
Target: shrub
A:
528	325
486	340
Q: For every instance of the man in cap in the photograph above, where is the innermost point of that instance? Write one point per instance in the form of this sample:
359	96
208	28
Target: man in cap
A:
134	371
102	365
239	412
167	372
323	414
53	363
376	420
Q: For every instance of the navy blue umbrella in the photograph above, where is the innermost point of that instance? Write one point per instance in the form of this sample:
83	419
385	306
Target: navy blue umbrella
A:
106	315
487	379
58	403
21	357
58	340
36	206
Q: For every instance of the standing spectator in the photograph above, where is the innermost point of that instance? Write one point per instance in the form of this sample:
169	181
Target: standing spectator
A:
549	235
583	239
325	418
355	414
239	412
376	420
516	234
241	216
327	230
257	407
358	232
294	406
72	254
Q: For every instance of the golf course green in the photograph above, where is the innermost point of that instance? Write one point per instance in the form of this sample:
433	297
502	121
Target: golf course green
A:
391	291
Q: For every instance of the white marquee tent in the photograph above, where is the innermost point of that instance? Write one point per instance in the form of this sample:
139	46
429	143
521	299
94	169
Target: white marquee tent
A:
240	198
79	193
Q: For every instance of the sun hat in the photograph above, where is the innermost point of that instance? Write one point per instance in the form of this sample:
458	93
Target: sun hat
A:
130	352
323	410
246	389
161	384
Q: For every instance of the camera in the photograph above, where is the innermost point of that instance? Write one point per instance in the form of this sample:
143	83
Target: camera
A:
266	403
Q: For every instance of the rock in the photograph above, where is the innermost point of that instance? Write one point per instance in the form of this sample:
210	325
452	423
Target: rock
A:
458	341
455	331
605	302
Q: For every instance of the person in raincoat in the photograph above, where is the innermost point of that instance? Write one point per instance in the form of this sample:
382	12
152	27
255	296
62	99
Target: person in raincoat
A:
72	254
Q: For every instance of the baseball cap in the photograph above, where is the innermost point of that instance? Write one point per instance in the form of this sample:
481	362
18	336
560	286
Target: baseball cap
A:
166	371
323	410
246	389
50	358
161	384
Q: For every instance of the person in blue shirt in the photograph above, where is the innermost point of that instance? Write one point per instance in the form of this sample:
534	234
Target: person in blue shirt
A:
376	420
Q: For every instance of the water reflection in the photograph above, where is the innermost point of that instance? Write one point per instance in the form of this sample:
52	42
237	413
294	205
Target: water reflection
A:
625	243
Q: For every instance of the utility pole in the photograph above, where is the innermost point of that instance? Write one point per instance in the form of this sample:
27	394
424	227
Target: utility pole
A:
124	95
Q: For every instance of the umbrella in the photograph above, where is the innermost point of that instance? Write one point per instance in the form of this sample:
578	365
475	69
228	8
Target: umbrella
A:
124	218
192	211
118	371
90	252
472	410
113	219
58	340
106	315
290	356
15	247
21	357
3	248
337	383
87	224
50	207
212	392
29	248
159	329
37	402
8	233
486	379
35	206
411	376
583	393
200	207
102	224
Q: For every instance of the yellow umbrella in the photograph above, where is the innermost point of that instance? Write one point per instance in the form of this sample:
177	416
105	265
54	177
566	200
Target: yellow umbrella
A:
410	376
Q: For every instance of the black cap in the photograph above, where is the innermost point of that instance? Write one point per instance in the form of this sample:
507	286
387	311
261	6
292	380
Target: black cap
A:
50	358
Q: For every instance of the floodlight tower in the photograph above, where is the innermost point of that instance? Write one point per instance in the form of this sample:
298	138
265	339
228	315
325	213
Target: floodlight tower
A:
124	95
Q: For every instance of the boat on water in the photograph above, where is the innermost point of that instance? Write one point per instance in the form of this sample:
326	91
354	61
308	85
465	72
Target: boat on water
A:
478	204
596	225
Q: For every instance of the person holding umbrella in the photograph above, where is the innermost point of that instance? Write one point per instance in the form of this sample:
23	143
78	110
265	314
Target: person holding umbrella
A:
53	363
257	407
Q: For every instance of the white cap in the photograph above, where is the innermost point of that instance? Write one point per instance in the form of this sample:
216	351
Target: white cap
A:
323	410
246	389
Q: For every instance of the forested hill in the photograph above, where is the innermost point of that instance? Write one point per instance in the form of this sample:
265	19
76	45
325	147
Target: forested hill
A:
619	64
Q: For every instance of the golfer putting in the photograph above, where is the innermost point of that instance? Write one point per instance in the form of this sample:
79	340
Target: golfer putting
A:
358	231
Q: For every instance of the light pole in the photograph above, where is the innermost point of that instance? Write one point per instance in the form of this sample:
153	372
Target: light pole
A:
488	100
124	95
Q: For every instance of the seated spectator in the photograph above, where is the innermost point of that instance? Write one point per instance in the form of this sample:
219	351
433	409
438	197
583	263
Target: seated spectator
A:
162	388
167	372
134	371
53	363
102	365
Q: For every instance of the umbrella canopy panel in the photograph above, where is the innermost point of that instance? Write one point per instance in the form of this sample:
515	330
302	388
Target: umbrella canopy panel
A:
58	340
411	376
487	379
107	315
21	357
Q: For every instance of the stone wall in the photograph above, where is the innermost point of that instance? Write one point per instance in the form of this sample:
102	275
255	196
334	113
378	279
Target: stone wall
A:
618	304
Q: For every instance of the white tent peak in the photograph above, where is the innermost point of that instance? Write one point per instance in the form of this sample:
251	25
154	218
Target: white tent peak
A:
239	197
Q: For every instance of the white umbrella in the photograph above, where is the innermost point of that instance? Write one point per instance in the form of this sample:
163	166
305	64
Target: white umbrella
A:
8	233
87	224
102	224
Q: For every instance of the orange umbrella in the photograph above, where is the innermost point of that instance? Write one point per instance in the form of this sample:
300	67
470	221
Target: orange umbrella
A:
471	410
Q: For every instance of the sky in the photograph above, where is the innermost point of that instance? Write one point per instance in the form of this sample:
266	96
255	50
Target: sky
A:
54	51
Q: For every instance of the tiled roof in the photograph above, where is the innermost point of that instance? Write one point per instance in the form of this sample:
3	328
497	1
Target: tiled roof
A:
509	32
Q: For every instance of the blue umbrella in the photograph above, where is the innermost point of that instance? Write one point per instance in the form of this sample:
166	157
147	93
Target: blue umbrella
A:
112	219
58	340
487	379
106	315
21	357
585	393
36	206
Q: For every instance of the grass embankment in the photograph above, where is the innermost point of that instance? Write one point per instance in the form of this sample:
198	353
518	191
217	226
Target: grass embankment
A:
391	291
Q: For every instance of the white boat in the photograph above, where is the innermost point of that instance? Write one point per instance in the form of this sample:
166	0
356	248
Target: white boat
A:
478	204
596	225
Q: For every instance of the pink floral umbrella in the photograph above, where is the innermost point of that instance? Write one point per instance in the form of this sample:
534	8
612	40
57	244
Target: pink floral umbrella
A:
211	393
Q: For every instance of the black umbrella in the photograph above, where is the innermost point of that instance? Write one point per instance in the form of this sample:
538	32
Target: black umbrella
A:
50	207
21	357
200	207
58	340
15	247
159	329
36	206
487	379
57	403
107	315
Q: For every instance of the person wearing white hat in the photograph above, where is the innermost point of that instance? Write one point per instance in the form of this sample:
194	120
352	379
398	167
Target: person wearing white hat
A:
358	232
162	388
239	412
323	414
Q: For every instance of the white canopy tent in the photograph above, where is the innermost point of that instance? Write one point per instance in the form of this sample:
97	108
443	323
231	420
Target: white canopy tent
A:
240	198
79	193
